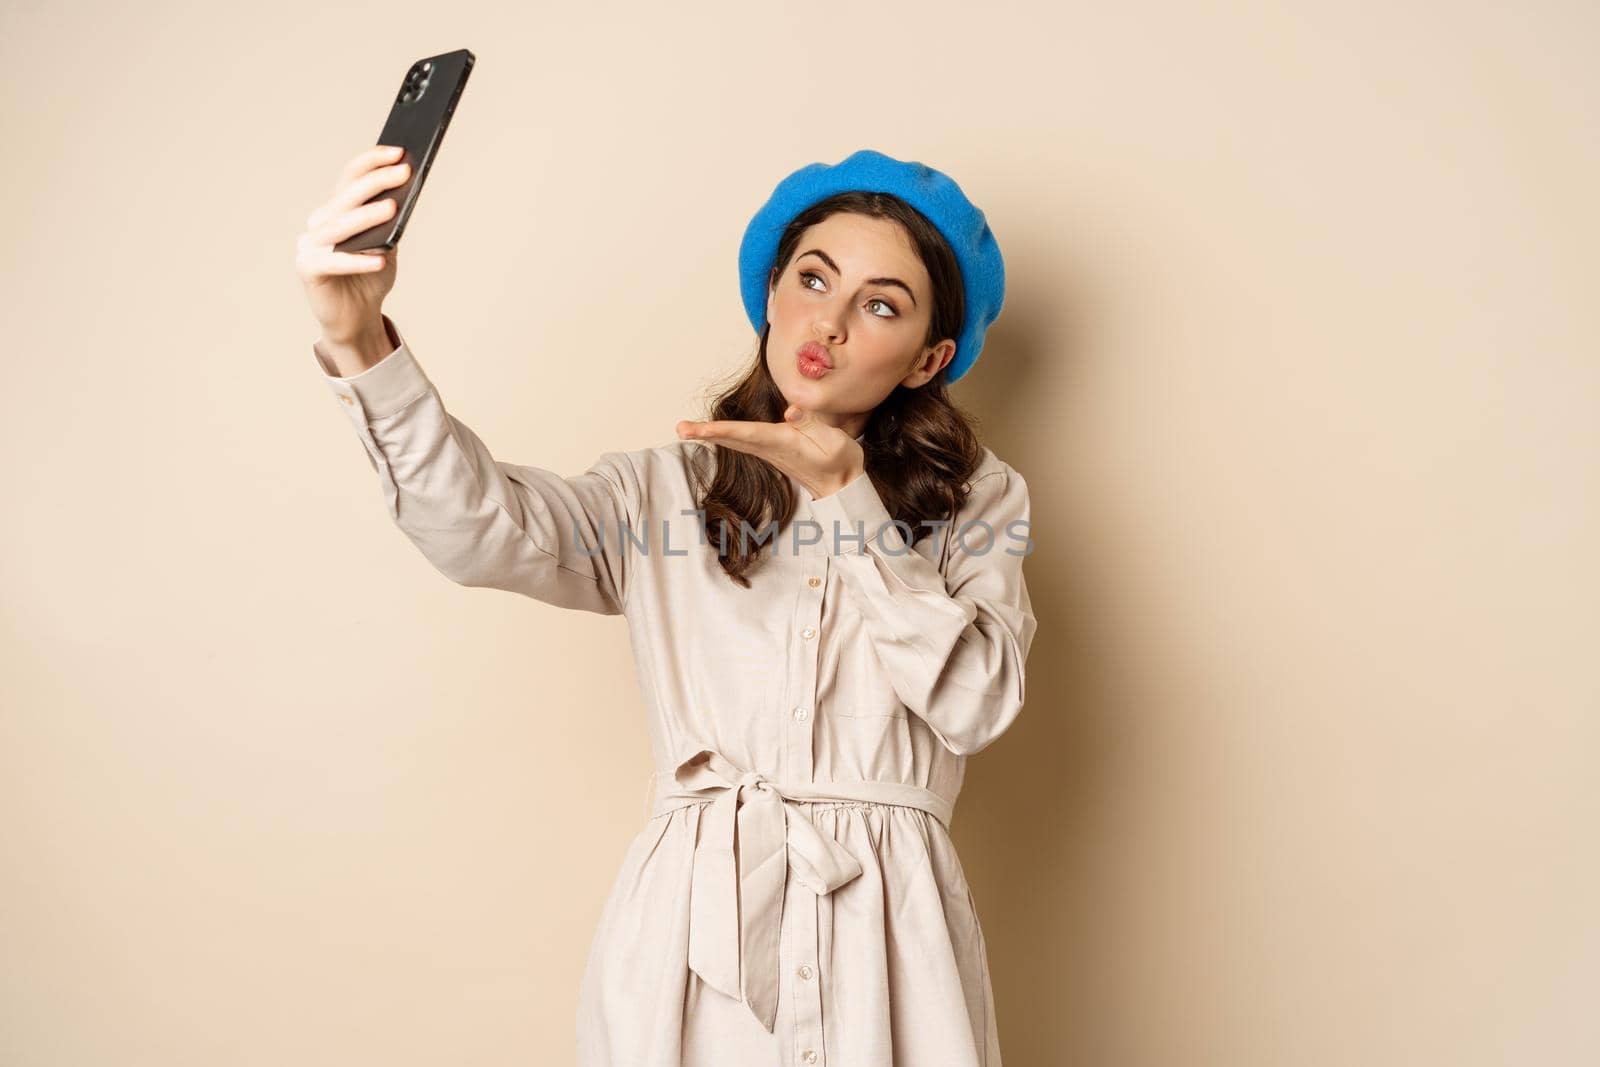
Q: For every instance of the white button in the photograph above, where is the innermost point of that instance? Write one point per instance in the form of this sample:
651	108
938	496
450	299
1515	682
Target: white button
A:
808	633
800	714
809	1056
804	971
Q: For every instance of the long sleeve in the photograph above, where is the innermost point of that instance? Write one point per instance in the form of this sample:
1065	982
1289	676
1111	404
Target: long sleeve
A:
479	521
954	643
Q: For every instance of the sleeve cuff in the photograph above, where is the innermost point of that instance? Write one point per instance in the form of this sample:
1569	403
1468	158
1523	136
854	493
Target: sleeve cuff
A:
383	388
854	510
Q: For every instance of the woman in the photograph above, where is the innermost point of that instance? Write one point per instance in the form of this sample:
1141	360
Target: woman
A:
823	587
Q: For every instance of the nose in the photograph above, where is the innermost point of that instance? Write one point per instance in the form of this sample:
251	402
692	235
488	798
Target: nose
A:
826	329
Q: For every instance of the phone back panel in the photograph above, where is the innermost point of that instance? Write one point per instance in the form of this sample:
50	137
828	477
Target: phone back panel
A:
417	122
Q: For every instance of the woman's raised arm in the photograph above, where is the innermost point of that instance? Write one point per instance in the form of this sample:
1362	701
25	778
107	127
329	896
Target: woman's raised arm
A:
480	521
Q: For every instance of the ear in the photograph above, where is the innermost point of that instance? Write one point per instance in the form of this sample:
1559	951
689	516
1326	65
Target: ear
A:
932	362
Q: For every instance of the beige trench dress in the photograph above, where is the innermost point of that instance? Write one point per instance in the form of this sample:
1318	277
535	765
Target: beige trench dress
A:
794	897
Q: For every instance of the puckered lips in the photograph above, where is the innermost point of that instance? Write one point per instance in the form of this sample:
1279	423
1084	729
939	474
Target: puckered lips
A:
813	359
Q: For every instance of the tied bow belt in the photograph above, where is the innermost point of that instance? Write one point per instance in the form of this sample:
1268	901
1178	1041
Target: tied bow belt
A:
753	833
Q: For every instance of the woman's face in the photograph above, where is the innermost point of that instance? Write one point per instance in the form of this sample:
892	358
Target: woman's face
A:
856	287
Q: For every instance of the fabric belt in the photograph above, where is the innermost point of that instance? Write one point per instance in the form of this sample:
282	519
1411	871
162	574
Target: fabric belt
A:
754	832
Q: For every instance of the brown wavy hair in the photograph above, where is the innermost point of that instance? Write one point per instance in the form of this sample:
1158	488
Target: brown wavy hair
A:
921	447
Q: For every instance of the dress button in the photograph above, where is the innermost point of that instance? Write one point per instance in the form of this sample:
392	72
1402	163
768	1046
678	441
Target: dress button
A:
813	582
809	1055
800	714
804	971
346	399
808	633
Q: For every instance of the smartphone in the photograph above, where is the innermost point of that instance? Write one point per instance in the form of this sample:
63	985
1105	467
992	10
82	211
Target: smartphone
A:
417	121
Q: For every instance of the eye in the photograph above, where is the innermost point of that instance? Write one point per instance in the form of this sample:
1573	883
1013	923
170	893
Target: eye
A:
804	283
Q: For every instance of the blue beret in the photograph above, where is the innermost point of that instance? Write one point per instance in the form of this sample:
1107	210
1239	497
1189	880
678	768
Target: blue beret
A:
935	195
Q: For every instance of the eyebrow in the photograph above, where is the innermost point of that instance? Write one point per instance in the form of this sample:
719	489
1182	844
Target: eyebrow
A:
870	281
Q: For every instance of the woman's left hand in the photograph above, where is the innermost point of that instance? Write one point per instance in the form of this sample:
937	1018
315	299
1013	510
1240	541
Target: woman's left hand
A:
822	458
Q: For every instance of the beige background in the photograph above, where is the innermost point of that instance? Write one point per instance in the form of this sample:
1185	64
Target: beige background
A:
1299	358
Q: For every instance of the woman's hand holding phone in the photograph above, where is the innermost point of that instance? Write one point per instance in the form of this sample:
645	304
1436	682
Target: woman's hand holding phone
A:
346	289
